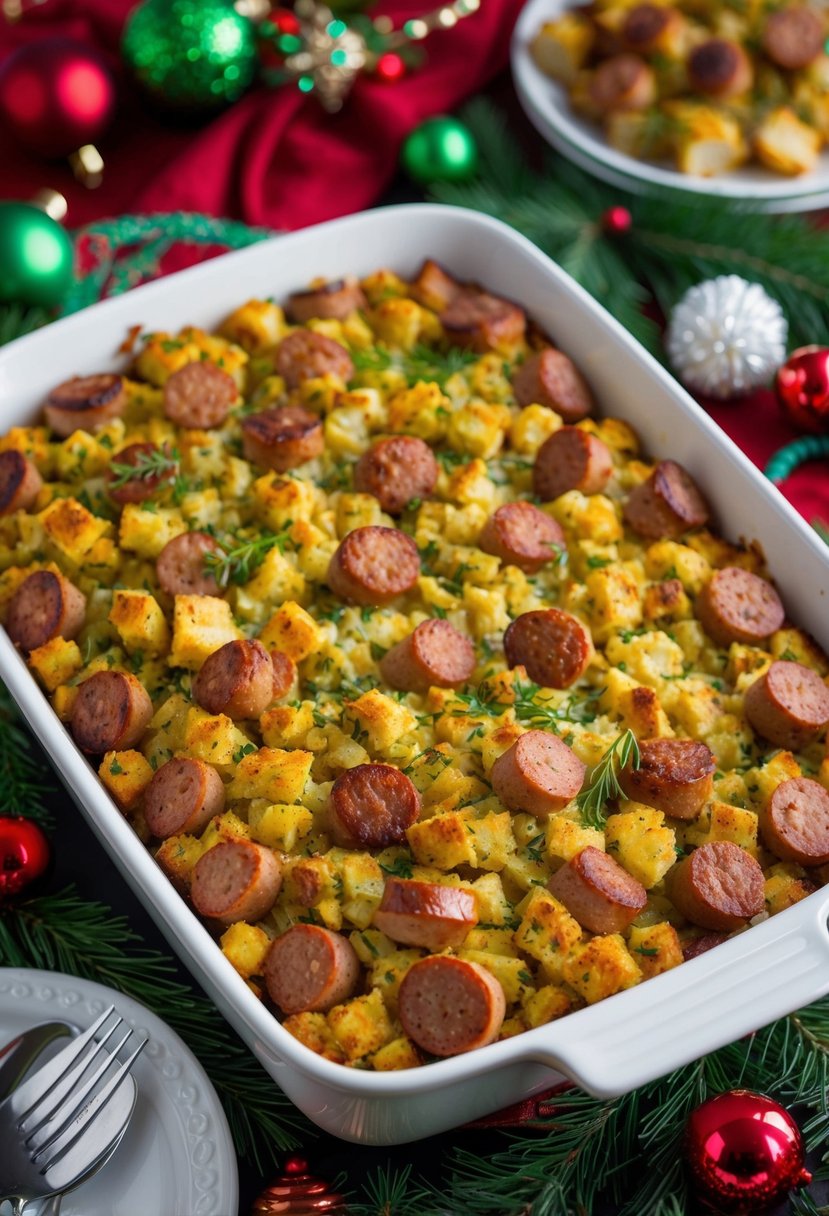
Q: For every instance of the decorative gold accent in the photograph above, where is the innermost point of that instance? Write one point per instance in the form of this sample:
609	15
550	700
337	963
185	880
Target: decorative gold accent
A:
254	10
383	25
88	166
52	202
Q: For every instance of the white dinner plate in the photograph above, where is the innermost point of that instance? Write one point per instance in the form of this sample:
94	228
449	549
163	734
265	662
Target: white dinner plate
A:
177	1157
547	106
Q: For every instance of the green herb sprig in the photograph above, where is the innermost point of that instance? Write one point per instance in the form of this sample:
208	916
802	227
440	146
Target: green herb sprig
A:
162	463
604	784
528	709
420	363
237	559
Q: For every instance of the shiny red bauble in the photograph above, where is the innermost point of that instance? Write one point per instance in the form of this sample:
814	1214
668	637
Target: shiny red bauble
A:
24	855
744	1152
390	67
56	95
616	221
802	387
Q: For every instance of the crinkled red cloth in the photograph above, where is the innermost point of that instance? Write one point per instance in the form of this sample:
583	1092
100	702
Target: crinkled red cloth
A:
275	157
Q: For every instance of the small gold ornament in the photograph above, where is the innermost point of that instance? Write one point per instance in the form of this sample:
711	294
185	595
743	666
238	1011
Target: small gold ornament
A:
331	58
298	1193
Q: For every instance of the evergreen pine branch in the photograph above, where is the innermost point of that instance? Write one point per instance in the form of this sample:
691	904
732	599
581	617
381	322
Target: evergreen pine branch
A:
24	771
65	932
16	320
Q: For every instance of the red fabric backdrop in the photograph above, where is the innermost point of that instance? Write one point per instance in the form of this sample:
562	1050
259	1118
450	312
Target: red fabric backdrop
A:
276	159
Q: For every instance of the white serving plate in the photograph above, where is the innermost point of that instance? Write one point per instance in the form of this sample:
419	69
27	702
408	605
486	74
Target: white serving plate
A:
547	106
608	1048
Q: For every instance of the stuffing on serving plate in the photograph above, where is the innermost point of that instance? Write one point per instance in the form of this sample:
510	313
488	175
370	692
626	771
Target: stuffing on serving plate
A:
437	699
710	86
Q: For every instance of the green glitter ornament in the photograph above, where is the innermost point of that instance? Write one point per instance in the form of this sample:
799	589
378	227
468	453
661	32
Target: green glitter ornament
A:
35	256
441	149
194	55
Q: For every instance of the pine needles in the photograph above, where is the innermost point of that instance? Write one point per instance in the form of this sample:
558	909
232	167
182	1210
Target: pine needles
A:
24	771
671	245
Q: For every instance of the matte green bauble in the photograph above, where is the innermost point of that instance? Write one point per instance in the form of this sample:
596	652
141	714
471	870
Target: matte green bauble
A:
192	55
441	149
35	256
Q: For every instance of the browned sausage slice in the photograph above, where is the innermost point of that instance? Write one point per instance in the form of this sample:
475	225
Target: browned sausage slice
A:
450	1005
598	892
483	322
199	396
374	565
522	536
310	969
644	25
720	886
181	568
675	775
397	471
110	713
371	805
738	606
20	482
282	438
305	354
696	946
623	82
788	705
434	287
183	796
284	674
123	487
550	378
794	824
85	402
794	37
236	880
333	300
237	680
667	504
539	774
571	459
45	606
720	68
435	654
553	646
426	914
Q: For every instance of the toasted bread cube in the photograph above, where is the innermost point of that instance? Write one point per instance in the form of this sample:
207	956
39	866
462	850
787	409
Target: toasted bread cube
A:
227	826
478	428
280	501
279	826
140	622
511	973
565	837
213	738
382	718
443	841
201	624
361	1026
785	885
761	782
615	602
270	773
389	970
56	662
287	725
71	528
63	699
397	322
561	48
547	932
720	821
126	775
601	968
420	410
146	532
399	1053
708	141
177	855
256	326
492	840
493	906
313	1031
547	1004
276	580
656	948
293	631
639	840
245	946
793	645
785	144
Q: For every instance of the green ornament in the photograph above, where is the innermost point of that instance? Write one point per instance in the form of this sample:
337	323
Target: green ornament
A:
441	149
190	54
36	256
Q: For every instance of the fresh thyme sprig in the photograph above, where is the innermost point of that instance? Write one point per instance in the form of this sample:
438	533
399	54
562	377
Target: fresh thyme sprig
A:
238	559
604	784
419	363
528	709
163	463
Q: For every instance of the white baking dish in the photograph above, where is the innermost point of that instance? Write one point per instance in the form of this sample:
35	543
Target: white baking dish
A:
630	1038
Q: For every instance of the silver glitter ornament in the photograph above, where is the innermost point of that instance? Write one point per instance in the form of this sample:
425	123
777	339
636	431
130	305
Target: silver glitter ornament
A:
726	337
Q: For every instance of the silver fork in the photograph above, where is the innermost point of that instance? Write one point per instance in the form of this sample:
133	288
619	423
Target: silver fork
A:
58	1127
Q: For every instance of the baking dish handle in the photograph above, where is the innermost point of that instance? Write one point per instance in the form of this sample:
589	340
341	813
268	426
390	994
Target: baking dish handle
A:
747	982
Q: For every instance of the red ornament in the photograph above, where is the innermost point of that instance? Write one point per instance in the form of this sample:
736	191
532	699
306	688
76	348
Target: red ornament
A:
299	1193
390	67
744	1152
802	387
616	221
24	855
56	95
284	20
